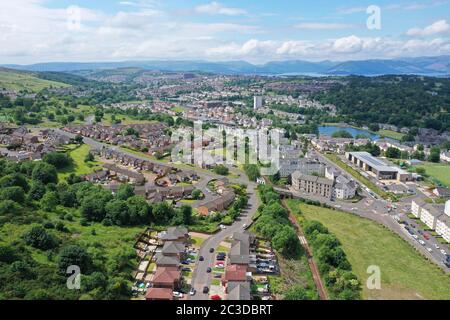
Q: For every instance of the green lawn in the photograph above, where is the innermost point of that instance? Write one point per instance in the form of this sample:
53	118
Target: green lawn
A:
16	80
79	167
438	172
405	273
391	134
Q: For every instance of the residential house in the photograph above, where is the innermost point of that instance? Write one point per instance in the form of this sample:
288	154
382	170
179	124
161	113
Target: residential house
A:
157	294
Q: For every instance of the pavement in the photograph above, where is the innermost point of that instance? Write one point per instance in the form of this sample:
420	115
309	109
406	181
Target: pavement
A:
376	209
200	278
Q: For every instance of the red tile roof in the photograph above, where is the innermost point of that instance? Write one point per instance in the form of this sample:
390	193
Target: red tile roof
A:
167	275
235	272
159	294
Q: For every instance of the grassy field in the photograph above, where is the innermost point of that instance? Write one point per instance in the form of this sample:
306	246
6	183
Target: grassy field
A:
438	172
391	134
13	80
79	167
405	274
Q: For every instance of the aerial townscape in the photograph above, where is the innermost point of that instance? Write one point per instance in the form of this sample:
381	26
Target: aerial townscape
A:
203	180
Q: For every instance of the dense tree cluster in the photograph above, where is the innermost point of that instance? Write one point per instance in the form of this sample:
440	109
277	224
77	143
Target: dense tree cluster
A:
341	282
273	223
404	101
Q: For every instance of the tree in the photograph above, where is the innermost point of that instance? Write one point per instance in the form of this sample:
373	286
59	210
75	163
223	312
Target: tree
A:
14	180
49	201
435	155
125	191
57	159
183	216
139	210
296	292
89	157
74	255
196	194
342	134
286	242
221	169
163	213
37	190
38	238
45	173
117	212
374	127
393	153
9	207
252	171
15	194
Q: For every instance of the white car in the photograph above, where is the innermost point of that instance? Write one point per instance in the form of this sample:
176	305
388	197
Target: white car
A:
415	236
429	250
192	292
443	252
222	227
422	242
244	225
436	246
177	294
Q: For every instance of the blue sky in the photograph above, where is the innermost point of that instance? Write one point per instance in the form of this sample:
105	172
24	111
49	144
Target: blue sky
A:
256	31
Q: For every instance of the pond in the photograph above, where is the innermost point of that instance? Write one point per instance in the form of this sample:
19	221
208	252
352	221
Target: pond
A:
329	130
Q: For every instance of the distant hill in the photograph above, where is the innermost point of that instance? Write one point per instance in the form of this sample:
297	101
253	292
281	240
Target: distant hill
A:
431	66
20	80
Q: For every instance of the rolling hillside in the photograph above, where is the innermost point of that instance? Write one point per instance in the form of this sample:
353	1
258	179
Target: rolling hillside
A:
18	80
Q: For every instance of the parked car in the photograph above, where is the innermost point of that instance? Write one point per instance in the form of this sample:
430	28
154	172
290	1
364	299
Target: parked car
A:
205	290
415	236
217	275
429	250
211	250
222	227
186	269
208	270
201	258
443	252
437	246
192	292
426	236
422	242
177	294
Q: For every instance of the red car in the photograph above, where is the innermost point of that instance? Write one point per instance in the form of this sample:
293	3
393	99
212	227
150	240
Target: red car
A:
216	297
426	236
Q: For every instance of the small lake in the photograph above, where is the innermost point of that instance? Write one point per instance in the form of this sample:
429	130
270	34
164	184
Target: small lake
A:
329	130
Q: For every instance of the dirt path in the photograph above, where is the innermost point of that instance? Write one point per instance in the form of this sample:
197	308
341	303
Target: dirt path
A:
312	264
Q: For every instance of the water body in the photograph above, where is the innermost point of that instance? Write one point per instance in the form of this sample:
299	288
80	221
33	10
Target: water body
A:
329	130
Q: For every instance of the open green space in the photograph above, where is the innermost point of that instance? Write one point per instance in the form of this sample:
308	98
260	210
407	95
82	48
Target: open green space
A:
437	172
391	134
16	80
79	167
405	273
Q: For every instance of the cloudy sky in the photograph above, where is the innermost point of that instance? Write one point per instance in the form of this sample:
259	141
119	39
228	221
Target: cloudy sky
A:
253	30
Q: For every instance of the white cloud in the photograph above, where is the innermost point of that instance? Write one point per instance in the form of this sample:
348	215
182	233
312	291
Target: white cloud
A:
349	44
439	27
322	26
217	8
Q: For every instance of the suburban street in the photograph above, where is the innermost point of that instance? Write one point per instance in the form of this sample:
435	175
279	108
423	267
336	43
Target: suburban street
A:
200	278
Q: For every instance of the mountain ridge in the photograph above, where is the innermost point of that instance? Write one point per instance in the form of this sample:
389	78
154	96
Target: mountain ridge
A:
432	66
